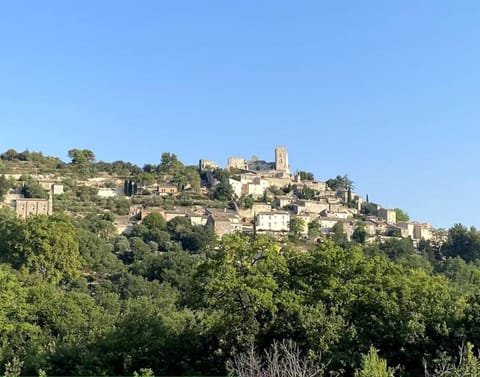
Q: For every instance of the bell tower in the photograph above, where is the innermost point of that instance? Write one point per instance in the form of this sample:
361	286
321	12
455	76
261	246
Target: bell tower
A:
281	160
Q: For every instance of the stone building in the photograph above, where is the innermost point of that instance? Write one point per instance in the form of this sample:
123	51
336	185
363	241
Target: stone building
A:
406	228
310	206
278	169
273	221
422	231
237	163
256	188
281	160
261	207
167	189
34	206
224	223
207	165
389	215
237	187
105	192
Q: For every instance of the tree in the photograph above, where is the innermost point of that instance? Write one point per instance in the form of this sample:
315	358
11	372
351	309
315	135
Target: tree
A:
306	176
239	282
223	192
145	178
314	228
246	201
401	215
397	248
462	242
176	268
374	366
221	174
360	234
5	185
46	246
306	193
340	183
467	364
32	189
82	161
9	155
187	176
339	237
150	333
81	157
169	163
139	249
154	220
368	209
18	335
297	225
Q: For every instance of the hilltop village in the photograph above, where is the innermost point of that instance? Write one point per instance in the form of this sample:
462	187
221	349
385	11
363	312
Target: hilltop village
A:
248	196
108	268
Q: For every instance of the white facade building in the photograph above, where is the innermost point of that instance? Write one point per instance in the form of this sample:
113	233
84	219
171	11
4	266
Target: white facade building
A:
274	221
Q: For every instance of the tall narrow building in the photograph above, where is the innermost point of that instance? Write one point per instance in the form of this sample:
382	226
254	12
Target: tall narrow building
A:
281	160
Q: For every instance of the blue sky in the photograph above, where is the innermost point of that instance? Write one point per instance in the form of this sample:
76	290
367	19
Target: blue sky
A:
386	91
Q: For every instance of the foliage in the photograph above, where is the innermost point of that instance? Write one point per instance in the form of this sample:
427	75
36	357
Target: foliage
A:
245	202
306	176
239	281
82	160
223	191
154	220
305	193
5	185
374	366
78	299
338	235
46	246
169	163
401	215
187	176
32	189
369	209
13	368
81	157
467	365
462	242
360	234
314	228
144	372
297	225
397	248
340	183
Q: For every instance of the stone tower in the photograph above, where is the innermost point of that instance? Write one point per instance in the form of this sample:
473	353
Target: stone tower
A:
281	160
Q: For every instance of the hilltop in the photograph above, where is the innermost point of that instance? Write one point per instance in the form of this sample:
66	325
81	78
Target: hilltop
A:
255	195
109	268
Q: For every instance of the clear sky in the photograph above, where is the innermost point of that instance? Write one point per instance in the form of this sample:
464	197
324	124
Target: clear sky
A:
386	91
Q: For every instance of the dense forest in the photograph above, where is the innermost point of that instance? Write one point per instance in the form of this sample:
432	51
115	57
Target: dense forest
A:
78	299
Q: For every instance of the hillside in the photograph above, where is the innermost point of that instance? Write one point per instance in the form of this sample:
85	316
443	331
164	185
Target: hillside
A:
108	268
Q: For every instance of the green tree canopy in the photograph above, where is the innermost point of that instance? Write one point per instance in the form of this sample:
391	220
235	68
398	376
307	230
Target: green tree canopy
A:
154	220
462	242
5	185
374	366
340	183
81	156
306	176
169	163
46	246
32	189
402	215
297	225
